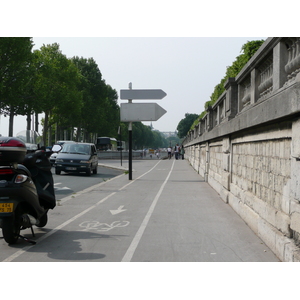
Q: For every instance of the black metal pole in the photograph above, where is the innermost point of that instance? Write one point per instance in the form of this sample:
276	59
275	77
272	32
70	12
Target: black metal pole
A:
120	141
130	150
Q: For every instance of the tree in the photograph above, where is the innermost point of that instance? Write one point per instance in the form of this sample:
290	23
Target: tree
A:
15	58
56	86
172	141
185	124
100	111
248	50
110	112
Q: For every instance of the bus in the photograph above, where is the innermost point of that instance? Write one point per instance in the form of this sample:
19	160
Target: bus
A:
106	144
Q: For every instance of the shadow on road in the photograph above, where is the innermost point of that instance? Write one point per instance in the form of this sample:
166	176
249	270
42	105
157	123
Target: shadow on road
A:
66	245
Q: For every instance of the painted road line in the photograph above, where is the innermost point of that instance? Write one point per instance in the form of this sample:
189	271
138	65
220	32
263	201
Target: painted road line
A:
20	252
128	255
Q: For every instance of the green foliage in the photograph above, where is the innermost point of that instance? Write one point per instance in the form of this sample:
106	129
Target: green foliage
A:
70	92
185	124
143	136
15	56
56	86
248	50
172	141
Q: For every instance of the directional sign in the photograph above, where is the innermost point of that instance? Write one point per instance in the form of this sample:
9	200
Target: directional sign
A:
142	94
136	112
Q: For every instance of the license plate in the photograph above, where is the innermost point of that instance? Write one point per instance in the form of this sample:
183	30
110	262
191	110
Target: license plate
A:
6	207
71	168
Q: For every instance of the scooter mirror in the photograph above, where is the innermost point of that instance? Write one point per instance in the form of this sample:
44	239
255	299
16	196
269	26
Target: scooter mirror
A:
56	148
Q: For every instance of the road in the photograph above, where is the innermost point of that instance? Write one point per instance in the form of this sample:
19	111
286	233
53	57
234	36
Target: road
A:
67	184
167	213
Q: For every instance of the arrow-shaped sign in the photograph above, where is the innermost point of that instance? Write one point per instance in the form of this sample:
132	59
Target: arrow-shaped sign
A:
142	94
117	211
137	112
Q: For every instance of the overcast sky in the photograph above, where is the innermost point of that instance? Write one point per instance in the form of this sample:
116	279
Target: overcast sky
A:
186	68
182	48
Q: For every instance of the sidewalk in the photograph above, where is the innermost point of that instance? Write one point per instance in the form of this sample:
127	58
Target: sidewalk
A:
114	164
186	221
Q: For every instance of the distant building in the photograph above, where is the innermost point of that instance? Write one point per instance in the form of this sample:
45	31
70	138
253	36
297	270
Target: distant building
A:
169	133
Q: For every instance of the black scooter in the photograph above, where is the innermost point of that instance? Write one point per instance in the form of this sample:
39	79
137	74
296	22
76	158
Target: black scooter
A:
26	188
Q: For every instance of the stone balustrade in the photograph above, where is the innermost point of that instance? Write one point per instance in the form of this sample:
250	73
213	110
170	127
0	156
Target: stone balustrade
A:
247	145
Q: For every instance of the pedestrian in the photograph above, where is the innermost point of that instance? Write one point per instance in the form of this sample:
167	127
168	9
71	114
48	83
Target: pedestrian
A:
176	150
157	153
182	152
169	152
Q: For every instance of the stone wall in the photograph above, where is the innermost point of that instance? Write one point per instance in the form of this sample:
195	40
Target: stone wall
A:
247	146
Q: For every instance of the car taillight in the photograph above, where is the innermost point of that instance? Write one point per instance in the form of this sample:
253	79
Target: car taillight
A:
6	171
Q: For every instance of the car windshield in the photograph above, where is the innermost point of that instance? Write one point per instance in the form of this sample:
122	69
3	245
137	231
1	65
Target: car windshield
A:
76	149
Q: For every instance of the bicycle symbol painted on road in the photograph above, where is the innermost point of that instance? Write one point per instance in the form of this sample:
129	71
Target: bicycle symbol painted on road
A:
95	225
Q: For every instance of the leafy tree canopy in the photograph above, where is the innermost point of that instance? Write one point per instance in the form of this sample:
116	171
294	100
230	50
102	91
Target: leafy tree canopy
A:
185	124
248	50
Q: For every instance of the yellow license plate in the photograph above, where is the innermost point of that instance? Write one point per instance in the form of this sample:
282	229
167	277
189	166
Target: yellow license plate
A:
6	207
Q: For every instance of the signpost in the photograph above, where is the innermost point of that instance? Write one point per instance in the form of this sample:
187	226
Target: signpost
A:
142	94
136	112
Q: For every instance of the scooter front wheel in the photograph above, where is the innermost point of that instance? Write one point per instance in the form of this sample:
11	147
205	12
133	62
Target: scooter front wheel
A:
10	230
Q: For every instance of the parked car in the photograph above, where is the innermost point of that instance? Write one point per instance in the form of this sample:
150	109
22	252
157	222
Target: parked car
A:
64	142
77	158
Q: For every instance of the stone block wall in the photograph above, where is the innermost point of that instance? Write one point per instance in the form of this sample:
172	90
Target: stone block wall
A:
263	168
247	146
252	173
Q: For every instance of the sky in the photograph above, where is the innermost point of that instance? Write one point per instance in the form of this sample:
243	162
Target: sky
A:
186	68
182	48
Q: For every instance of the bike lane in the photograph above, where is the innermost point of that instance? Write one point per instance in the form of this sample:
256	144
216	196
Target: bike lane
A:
96	225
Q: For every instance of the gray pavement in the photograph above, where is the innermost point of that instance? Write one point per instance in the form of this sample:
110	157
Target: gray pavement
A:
167	213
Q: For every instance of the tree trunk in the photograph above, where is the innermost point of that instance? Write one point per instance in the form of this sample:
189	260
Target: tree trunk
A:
45	131
49	137
11	121
36	122
28	119
56	133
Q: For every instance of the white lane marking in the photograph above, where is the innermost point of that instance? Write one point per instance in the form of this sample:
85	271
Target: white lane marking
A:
130	251
20	252
88	225
60	188
117	211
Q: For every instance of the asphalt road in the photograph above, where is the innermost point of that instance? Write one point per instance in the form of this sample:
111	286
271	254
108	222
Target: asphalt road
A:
68	183
167	213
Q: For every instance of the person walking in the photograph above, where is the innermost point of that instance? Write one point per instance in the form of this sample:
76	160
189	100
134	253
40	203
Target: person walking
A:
169	152
182	152
176	150
157	153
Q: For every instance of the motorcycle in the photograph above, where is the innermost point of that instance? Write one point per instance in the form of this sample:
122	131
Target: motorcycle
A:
26	188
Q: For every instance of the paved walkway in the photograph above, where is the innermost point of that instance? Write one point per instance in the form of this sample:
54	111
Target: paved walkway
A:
166	213
187	220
